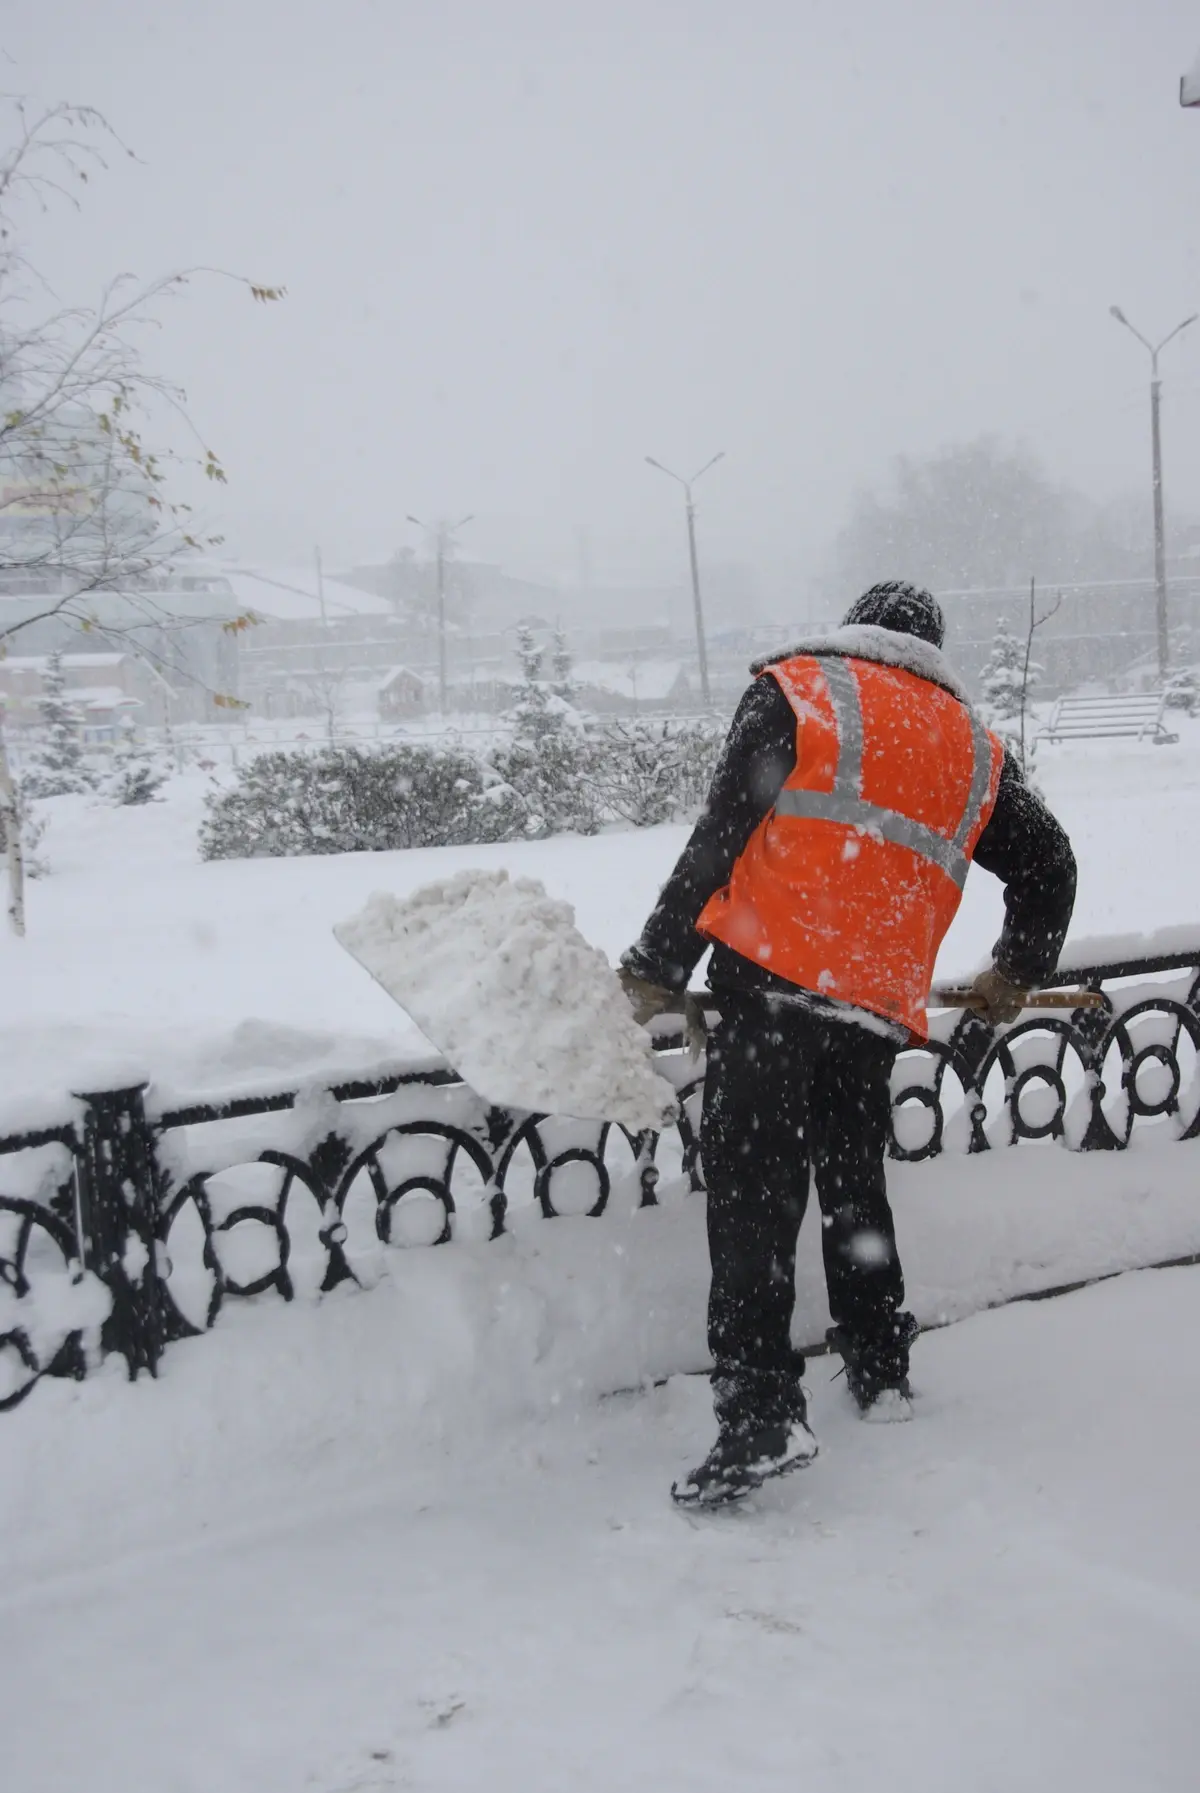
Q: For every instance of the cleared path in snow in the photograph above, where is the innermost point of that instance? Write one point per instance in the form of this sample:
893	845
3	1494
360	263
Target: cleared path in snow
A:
1003	1596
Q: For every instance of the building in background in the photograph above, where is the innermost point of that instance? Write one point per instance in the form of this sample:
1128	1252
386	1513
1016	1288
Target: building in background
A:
109	692
178	633
401	695
216	639
633	687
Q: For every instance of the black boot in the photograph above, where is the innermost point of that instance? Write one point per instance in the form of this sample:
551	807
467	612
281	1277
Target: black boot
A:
877	1367
763	1421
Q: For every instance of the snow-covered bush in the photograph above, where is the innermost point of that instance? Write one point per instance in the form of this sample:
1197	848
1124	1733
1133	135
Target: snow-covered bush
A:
697	749
350	800
635	769
546	786
1183	692
651	772
135	777
565	778
135	782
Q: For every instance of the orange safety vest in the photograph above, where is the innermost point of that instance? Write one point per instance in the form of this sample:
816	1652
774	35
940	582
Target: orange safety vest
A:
848	885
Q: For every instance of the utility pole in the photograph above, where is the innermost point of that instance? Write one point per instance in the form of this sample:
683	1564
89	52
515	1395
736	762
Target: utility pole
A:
1160	546
697	606
320	587
326	679
441	619
442	535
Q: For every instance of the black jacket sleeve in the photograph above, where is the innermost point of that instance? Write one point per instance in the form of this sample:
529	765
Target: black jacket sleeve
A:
1028	850
758	755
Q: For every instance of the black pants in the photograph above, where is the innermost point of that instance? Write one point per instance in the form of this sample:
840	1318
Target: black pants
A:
788	1090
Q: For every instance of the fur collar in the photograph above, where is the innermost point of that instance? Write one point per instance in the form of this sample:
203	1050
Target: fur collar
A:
865	641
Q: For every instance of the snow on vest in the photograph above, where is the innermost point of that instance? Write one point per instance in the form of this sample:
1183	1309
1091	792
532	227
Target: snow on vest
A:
848	885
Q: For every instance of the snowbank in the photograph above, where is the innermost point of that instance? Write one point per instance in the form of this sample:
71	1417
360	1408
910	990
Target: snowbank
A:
1083	951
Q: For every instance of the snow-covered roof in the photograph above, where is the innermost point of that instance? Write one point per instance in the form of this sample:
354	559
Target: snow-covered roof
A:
70	662
399	672
101	697
289	595
484	677
646	681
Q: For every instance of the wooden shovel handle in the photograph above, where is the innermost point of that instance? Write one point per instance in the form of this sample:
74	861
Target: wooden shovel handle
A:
1032	999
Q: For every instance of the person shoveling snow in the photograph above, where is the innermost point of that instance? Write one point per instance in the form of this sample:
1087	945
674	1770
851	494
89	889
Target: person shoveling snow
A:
853	792
497	975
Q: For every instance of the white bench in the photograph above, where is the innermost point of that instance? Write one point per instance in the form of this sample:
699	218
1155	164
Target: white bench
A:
1136	714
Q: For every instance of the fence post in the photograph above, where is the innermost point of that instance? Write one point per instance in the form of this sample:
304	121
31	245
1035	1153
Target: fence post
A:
118	1210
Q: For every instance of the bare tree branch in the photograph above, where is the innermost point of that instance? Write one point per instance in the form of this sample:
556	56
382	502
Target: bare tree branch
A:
86	505
1035	623
84	500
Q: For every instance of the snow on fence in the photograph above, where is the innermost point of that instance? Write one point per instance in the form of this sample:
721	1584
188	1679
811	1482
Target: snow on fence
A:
125	1228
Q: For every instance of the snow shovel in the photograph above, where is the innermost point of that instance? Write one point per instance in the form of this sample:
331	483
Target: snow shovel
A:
1032	999
496	974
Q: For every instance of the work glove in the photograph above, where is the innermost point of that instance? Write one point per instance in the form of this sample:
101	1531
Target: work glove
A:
648	999
997	997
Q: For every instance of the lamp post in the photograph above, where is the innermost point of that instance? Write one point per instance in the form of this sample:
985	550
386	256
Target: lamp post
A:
442	536
1160	550
697	607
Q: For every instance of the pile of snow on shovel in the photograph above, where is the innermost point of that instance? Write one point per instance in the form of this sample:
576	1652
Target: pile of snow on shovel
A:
497	975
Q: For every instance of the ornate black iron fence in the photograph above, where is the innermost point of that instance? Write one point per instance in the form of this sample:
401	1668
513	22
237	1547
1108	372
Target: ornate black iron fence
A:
126	1227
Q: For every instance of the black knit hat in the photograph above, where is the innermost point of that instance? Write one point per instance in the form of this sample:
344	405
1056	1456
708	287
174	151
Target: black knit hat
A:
906	609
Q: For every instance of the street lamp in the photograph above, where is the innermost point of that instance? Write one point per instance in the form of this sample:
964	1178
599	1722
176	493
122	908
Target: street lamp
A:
1160	551
441	535
687	484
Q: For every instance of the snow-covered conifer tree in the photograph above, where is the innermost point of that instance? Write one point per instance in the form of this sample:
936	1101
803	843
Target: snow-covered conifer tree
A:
544	769
531	714
1003	678
563	685
58	766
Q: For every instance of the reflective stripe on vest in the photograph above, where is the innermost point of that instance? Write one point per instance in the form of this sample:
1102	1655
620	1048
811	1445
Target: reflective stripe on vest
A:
845	802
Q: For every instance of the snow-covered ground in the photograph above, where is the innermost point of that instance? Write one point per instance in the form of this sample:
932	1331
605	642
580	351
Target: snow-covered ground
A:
448	1592
141	958
410	1537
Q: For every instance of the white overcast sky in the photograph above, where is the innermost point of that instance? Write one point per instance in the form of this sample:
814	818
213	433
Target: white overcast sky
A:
527	242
